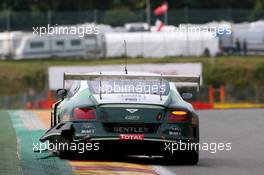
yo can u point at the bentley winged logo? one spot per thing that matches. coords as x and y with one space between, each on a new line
132 110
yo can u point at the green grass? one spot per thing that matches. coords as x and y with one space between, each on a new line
31 162
9 162
20 76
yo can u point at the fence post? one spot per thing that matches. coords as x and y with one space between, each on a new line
24 99
7 102
230 14
49 17
211 94
256 94
8 20
95 16
186 13
166 18
148 14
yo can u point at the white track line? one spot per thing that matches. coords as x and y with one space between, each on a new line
30 120
161 170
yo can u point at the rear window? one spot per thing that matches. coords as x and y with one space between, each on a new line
129 86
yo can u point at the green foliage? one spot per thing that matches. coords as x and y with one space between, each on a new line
83 5
258 10
235 76
121 16
259 5
36 80
238 72
259 74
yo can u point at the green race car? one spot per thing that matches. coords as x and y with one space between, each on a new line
129 114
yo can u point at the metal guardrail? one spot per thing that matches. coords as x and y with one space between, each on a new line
18 101
232 95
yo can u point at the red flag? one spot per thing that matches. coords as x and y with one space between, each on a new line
160 10
159 25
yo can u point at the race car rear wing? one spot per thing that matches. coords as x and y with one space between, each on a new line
169 78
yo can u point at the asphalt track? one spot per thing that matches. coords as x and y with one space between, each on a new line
242 128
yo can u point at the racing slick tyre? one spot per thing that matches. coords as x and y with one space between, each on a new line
191 157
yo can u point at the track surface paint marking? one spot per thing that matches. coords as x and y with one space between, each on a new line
162 170
119 168
35 163
105 168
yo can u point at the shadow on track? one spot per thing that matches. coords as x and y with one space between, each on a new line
136 159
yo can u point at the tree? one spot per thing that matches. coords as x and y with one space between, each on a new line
83 5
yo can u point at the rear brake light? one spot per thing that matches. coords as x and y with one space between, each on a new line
84 113
178 116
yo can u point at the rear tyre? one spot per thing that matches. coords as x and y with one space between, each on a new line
191 158
60 152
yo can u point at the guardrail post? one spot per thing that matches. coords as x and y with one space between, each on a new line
8 22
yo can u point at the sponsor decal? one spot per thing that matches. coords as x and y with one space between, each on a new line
132 117
87 128
175 131
88 131
131 136
131 99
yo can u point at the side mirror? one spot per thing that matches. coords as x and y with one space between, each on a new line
61 93
187 96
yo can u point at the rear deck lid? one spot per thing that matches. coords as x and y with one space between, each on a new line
131 113
122 118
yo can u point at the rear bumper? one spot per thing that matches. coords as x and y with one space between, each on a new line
132 147
165 141
148 146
